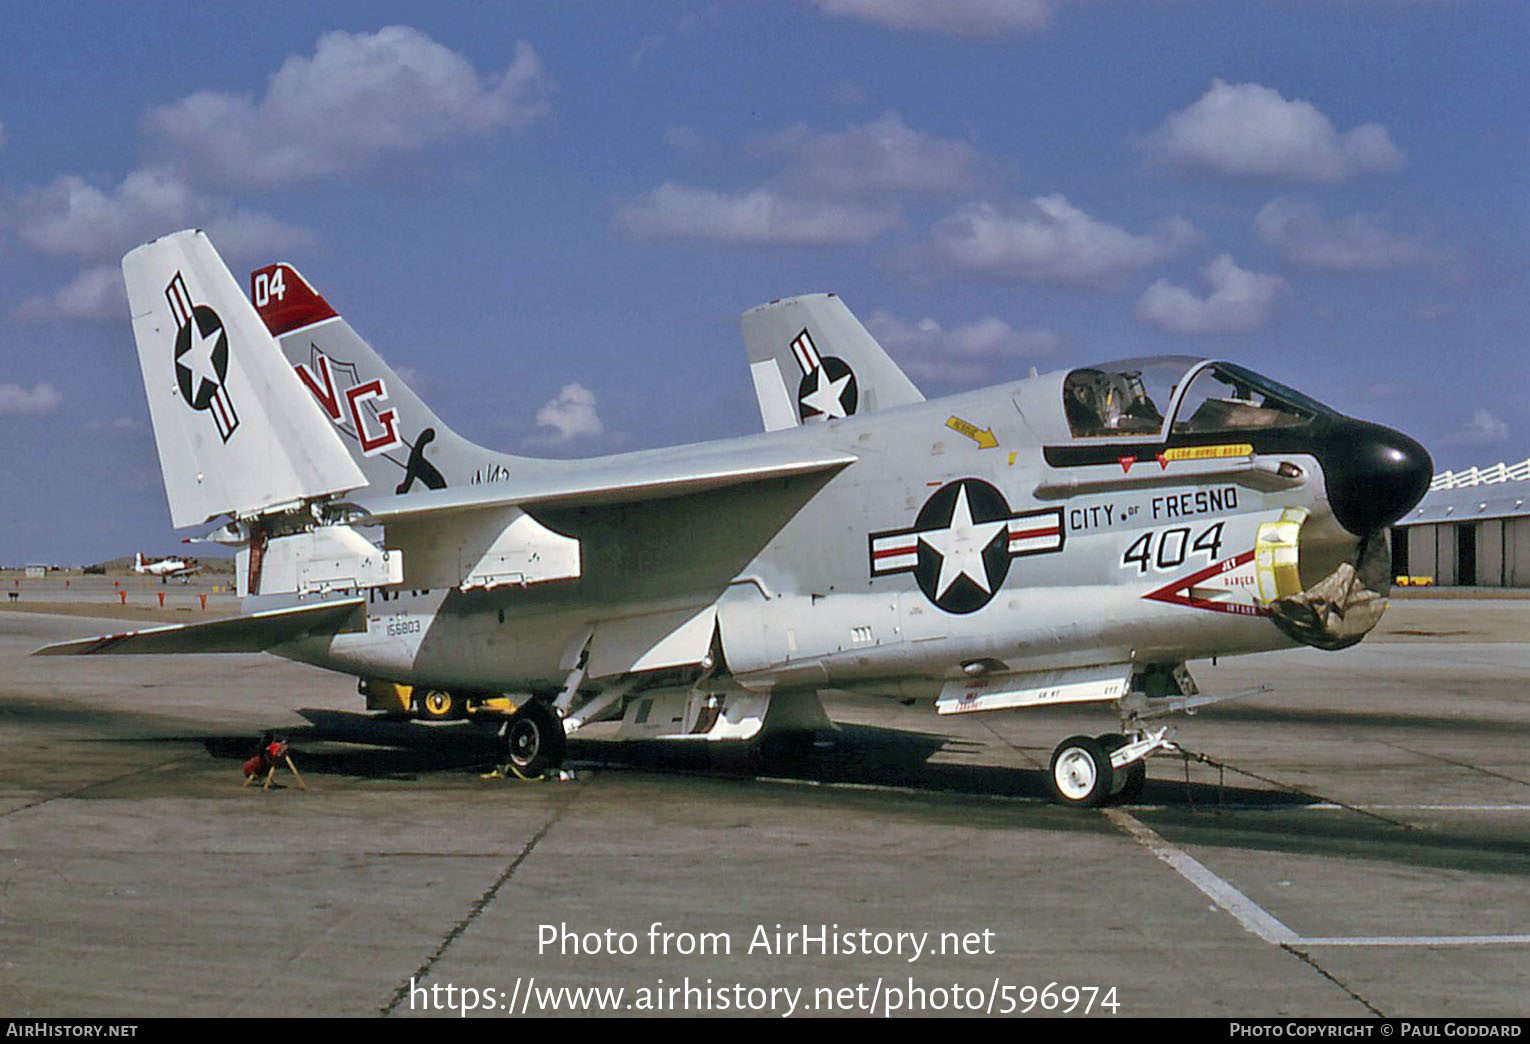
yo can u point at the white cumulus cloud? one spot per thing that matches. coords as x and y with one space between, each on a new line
882 157
761 217
832 189
358 99
571 415
967 354
1047 240
973 18
1483 429
72 218
95 295
16 401
1248 131
1297 232
1238 301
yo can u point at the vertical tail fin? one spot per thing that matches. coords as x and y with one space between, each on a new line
396 440
811 360
237 433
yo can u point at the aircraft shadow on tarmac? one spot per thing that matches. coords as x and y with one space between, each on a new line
1200 812
857 755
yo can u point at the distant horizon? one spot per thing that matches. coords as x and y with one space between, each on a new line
220 562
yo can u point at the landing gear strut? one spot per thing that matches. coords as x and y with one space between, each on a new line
1127 780
534 739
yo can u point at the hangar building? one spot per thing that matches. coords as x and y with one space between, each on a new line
1472 529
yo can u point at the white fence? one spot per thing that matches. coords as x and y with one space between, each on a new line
1499 472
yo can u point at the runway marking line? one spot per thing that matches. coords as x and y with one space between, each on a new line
1244 910
1258 921
1418 940
1329 806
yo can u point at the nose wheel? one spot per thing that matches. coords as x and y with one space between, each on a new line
1088 771
1081 772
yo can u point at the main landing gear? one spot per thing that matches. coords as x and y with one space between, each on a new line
534 739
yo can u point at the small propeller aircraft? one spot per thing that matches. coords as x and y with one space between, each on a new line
164 568
1072 537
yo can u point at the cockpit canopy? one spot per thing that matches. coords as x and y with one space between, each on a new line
1128 399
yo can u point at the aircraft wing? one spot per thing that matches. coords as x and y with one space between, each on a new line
618 481
253 633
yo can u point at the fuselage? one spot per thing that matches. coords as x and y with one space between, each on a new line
1146 512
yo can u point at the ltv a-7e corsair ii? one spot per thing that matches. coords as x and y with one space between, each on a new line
1072 537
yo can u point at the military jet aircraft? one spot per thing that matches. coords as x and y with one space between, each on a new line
1072 537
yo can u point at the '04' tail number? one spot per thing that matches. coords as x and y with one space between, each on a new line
1164 550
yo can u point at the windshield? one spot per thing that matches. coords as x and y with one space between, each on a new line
1227 397
1122 398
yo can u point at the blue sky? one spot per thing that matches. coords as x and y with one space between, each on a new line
549 215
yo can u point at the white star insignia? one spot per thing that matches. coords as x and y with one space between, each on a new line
198 358
825 396
961 545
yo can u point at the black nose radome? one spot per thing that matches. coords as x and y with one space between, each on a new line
1374 475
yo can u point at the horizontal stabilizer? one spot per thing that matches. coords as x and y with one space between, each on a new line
254 633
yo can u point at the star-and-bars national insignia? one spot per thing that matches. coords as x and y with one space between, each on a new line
828 389
201 357
962 542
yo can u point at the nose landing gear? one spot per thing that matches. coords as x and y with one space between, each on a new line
1088 771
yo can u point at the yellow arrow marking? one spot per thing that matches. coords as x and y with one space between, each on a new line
985 438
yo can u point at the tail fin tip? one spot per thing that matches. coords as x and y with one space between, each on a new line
235 430
812 360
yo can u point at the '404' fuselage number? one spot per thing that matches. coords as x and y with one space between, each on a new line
1164 550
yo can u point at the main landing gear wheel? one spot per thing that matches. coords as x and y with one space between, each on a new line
1081 772
534 739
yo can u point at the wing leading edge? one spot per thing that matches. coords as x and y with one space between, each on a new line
612 481
255 632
